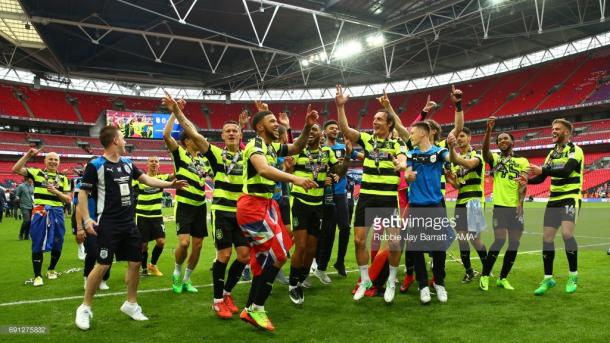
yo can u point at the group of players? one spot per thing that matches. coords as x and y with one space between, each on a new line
253 212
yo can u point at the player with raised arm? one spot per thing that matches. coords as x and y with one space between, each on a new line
227 165
315 163
508 195
258 214
191 224
384 159
469 169
47 228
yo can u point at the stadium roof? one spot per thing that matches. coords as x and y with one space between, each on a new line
234 45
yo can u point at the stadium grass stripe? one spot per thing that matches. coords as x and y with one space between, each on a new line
157 290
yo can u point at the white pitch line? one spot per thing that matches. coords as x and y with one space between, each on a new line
575 236
102 295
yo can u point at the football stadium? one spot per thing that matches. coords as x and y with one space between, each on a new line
304 170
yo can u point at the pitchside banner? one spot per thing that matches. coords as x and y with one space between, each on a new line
141 124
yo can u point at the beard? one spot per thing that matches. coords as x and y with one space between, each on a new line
274 134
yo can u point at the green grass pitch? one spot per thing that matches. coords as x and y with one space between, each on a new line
329 313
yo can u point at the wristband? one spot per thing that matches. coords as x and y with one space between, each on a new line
80 229
458 106
423 114
88 220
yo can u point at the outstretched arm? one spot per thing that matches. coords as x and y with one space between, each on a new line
487 156
384 100
187 125
171 143
456 99
154 182
299 144
19 167
349 133
259 162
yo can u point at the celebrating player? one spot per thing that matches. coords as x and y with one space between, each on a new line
47 228
109 178
469 169
314 163
149 218
379 189
227 165
508 196
425 166
565 165
191 166
258 214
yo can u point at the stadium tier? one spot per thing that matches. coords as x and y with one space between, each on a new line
9 104
543 86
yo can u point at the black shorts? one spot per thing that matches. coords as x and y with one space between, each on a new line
306 217
429 228
227 232
191 220
369 206
284 205
565 210
150 228
461 217
506 218
121 240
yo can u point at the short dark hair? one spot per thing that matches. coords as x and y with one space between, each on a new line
435 126
563 122
330 122
258 117
512 138
232 122
465 130
389 117
423 125
108 134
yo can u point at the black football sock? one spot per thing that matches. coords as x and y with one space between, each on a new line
548 256
156 253
265 285
234 275
492 255
218 274
295 275
37 263
55 255
509 259
465 256
144 259
572 253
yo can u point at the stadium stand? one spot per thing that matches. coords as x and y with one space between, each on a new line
9 104
48 104
543 86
